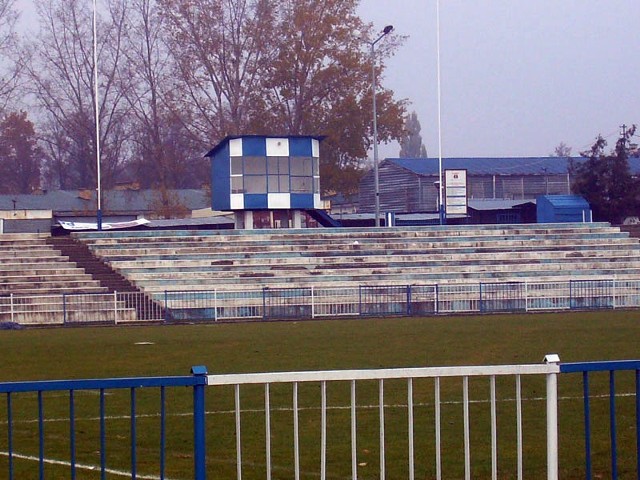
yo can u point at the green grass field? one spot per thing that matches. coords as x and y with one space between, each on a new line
320 345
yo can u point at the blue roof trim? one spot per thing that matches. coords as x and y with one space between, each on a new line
497 166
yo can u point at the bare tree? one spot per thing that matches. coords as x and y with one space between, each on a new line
10 65
61 75
561 150
164 152
222 50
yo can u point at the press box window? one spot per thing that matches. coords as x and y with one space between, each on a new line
255 166
236 165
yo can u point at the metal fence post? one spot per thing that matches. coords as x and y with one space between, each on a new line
264 303
12 308
552 419
480 304
115 307
215 304
166 306
570 294
313 302
409 300
199 445
64 308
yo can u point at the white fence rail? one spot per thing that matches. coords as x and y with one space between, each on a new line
357 402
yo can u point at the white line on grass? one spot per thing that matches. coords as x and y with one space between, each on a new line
81 466
289 409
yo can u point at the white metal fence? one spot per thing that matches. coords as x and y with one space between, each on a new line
307 436
78 308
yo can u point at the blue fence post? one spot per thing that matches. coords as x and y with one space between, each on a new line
199 445
480 303
264 303
408 299
571 303
360 300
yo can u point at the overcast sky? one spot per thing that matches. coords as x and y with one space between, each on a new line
518 76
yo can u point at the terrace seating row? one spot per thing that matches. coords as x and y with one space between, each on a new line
224 260
39 285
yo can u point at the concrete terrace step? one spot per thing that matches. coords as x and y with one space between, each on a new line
44 268
242 262
28 253
123 254
390 267
448 230
399 271
29 277
379 280
47 289
254 241
60 318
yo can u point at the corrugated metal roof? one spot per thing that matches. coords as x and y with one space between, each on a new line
118 201
496 166
497 204
564 201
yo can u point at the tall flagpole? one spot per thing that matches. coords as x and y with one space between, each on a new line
97 117
440 184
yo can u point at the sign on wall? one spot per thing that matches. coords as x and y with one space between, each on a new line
455 182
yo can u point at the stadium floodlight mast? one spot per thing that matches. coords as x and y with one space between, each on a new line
97 120
387 30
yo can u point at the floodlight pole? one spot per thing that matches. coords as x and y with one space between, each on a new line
97 119
441 213
388 29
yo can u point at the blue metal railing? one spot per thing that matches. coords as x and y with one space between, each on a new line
611 367
197 381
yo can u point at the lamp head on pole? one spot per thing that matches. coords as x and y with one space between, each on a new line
388 29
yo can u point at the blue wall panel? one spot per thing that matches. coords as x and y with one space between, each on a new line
254 147
255 201
301 200
300 147
221 179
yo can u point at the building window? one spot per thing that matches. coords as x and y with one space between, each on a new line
278 181
275 175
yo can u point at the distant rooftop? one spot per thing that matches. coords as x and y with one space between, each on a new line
497 166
